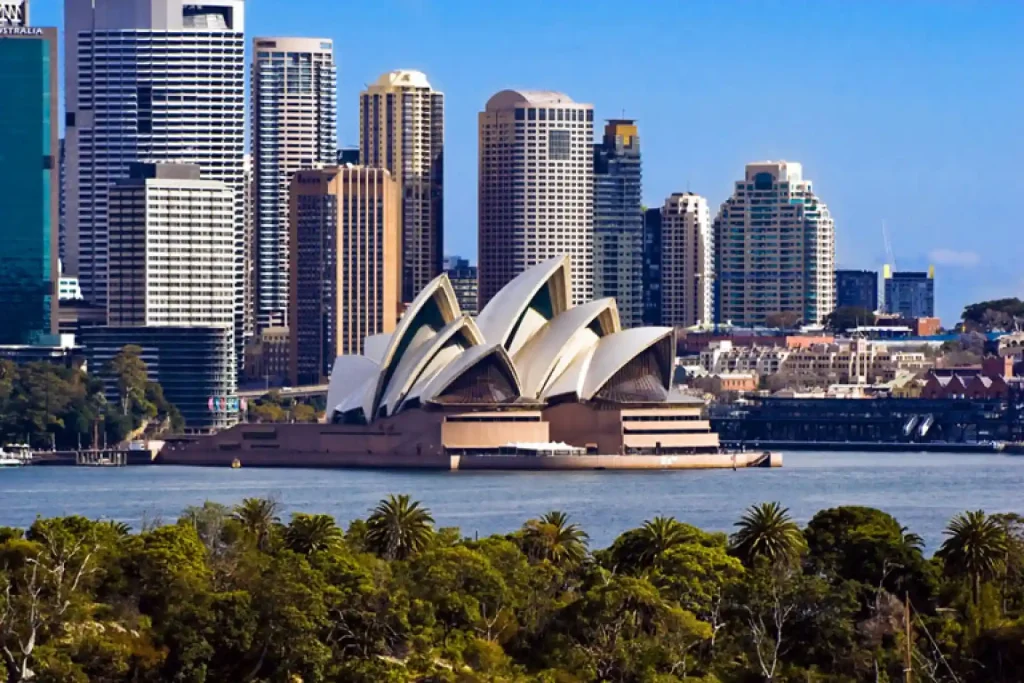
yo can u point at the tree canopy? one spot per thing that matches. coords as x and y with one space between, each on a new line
234 594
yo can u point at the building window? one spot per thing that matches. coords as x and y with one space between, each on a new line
559 145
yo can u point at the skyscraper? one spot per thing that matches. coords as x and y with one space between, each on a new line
294 127
401 128
910 294
154 81
29 174
171 248
652 266
464 281
857 288
345 260
536 188
774 249
618 221
686 261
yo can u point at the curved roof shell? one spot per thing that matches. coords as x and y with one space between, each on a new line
526 304
427 359
348 372
465 363
556 345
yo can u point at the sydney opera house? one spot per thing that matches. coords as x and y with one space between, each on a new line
531 382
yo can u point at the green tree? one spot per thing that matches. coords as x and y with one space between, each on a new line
398 527
132 376
555 539
974 550
845 318
312 533
652 541
259 518
766 530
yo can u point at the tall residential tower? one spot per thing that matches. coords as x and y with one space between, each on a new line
618 220
294 127
686 261
150 81
774 249
401 128
536 188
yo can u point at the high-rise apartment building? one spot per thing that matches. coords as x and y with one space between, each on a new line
910 294
345 259
294 127
464 281
686 261
536 188
29 174
857 289
774 249
618 220
150 81
171 248
401 128
652 266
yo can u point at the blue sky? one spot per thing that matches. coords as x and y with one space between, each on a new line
907 111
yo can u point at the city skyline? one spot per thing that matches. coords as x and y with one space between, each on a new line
884 141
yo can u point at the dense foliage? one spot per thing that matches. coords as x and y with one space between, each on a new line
998 314
46 405
238 595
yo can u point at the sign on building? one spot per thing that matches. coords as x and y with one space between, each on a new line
13 13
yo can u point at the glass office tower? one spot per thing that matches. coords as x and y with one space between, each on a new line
29 176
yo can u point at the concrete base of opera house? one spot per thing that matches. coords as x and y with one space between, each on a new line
586 437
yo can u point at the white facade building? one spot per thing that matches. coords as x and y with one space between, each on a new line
774 249
536 188
294 127
401 128
686 261
153 81
171 256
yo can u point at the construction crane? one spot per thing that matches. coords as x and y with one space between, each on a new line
888 246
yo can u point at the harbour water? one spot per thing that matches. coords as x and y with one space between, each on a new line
923 490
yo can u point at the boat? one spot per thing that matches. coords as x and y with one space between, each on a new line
236 463
15 455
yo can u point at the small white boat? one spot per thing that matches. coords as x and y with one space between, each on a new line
15 455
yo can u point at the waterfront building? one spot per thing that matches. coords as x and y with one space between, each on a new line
193 364
910 294
774 248
857 288
652 266
248 251
618 220
171 258
686 261
856 361
68 289
401 129
464 281
158 81
723 357
345 259
29 174
294 127
536 187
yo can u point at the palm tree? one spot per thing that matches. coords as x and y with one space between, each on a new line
398 528
310 533
657 536
258 517
120 529
553 538
975 548
766 530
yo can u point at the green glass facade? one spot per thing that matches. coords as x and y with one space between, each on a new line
28 176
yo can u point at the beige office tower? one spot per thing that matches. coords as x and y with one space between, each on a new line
345 260
294 127
249 252
401 128
172 240
536 188
686 261
774 250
